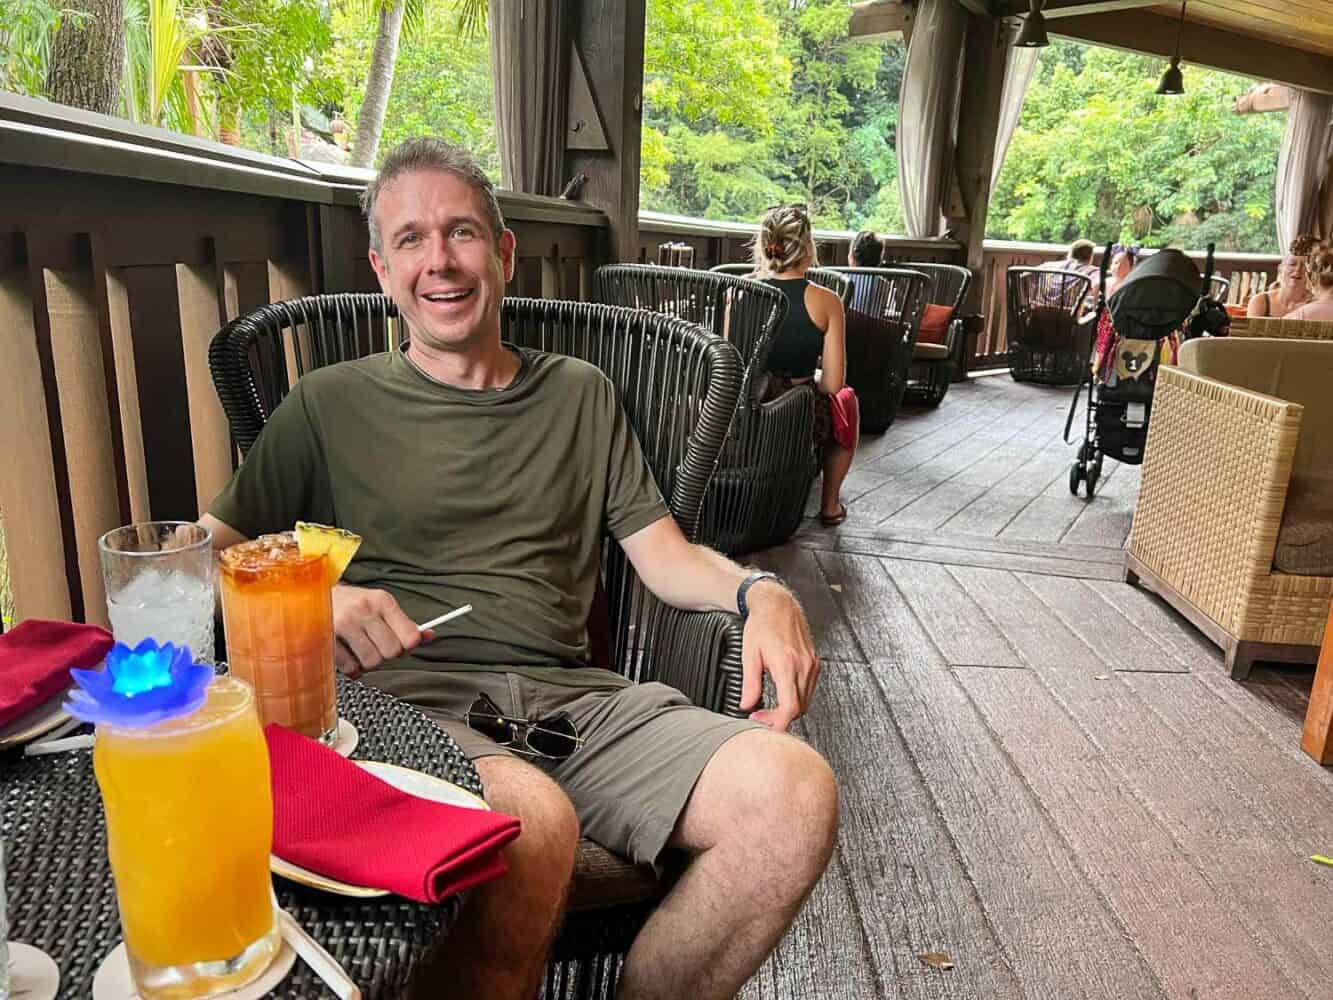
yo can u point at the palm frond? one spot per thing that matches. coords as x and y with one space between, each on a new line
472 17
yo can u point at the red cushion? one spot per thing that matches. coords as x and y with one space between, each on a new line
934 324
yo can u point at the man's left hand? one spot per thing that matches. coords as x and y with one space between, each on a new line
777 641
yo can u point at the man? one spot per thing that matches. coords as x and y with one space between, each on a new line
1078 258
481 474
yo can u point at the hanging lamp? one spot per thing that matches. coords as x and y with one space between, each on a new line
1032 33
1173 81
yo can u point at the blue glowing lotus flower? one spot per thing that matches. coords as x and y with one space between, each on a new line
140 686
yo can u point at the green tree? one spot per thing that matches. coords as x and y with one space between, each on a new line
1097 153
442 82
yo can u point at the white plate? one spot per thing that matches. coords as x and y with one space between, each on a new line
36 722
423 786
32 973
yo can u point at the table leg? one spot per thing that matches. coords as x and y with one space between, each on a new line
1317 737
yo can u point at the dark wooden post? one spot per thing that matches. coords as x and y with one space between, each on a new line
609 50
982 86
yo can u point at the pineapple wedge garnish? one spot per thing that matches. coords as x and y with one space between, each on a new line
338 544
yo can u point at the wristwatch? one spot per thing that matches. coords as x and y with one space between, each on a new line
745 586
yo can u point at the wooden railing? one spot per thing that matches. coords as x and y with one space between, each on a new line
122 251
1247 272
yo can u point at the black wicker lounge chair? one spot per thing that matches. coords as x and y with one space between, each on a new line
882 320
1047 342
758 493
933 364
679 388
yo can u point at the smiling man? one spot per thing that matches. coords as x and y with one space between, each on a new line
479 473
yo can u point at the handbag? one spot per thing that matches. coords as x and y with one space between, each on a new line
846 416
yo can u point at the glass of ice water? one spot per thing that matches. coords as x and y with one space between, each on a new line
159 583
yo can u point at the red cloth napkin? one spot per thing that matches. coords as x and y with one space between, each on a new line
332 817
35 657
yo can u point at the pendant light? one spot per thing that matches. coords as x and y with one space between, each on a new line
1032 33
1173 81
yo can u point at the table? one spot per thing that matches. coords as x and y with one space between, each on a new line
62 900
1317 734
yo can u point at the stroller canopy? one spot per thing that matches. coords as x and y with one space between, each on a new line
1157 297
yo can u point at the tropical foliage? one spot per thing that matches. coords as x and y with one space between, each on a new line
746 103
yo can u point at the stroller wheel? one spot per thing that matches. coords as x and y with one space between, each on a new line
1075 474
1093 473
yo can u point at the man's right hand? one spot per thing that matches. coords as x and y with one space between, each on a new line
370 628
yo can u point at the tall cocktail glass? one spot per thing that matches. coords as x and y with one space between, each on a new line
277 611
189 817
159 583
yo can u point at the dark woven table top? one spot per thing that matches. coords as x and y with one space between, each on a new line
62 900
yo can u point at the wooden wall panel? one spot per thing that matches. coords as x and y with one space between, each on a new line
77 355
36 552
210 435
127 385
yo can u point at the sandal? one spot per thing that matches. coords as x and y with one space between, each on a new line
833 520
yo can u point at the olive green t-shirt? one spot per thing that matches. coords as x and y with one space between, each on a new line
498 498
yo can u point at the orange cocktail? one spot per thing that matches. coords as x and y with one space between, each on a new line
189 818
277 610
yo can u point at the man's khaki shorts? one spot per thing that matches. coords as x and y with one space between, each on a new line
644 745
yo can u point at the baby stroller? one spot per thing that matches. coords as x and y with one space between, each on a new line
1162 301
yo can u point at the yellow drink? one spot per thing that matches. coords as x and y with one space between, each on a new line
277 610
189 816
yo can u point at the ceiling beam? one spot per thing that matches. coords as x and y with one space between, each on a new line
1234 52
879 19
1263 97
1067 8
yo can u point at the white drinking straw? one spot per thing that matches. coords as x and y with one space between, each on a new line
444 618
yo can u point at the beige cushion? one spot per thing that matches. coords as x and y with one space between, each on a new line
1298 371
930 352
1305 539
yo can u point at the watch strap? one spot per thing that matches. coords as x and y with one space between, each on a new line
745 586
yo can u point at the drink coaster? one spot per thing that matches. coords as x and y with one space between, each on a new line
112 981
32 973
345 738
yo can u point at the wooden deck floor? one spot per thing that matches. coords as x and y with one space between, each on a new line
1046 774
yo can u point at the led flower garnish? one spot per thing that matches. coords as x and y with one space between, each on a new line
140 686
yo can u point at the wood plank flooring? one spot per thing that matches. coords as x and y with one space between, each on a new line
1046 774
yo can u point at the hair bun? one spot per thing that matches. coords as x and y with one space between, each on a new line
1302 245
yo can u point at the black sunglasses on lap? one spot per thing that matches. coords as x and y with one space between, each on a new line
553 738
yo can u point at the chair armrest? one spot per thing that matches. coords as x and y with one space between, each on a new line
698 653
1215 473
764 432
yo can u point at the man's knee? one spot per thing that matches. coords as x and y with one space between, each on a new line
790 803
550 834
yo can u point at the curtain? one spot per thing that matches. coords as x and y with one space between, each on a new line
1019 66
1302 164
530 60
927 109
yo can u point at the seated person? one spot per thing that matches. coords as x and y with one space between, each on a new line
1319 275
1077 259
812 336
479 473
865 251
1291 290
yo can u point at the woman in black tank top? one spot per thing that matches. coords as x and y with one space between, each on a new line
811 344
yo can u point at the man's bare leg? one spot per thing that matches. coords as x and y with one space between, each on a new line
498 948
761 823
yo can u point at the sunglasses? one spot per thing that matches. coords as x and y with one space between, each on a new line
553 738
798 206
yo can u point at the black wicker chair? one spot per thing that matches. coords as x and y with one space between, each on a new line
758 493
1047 343
882 320
679 388
932 365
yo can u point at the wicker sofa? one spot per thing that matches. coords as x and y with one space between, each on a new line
1234 524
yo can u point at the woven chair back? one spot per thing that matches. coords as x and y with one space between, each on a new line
1044 307
678 385
831 278
743 312
946 284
